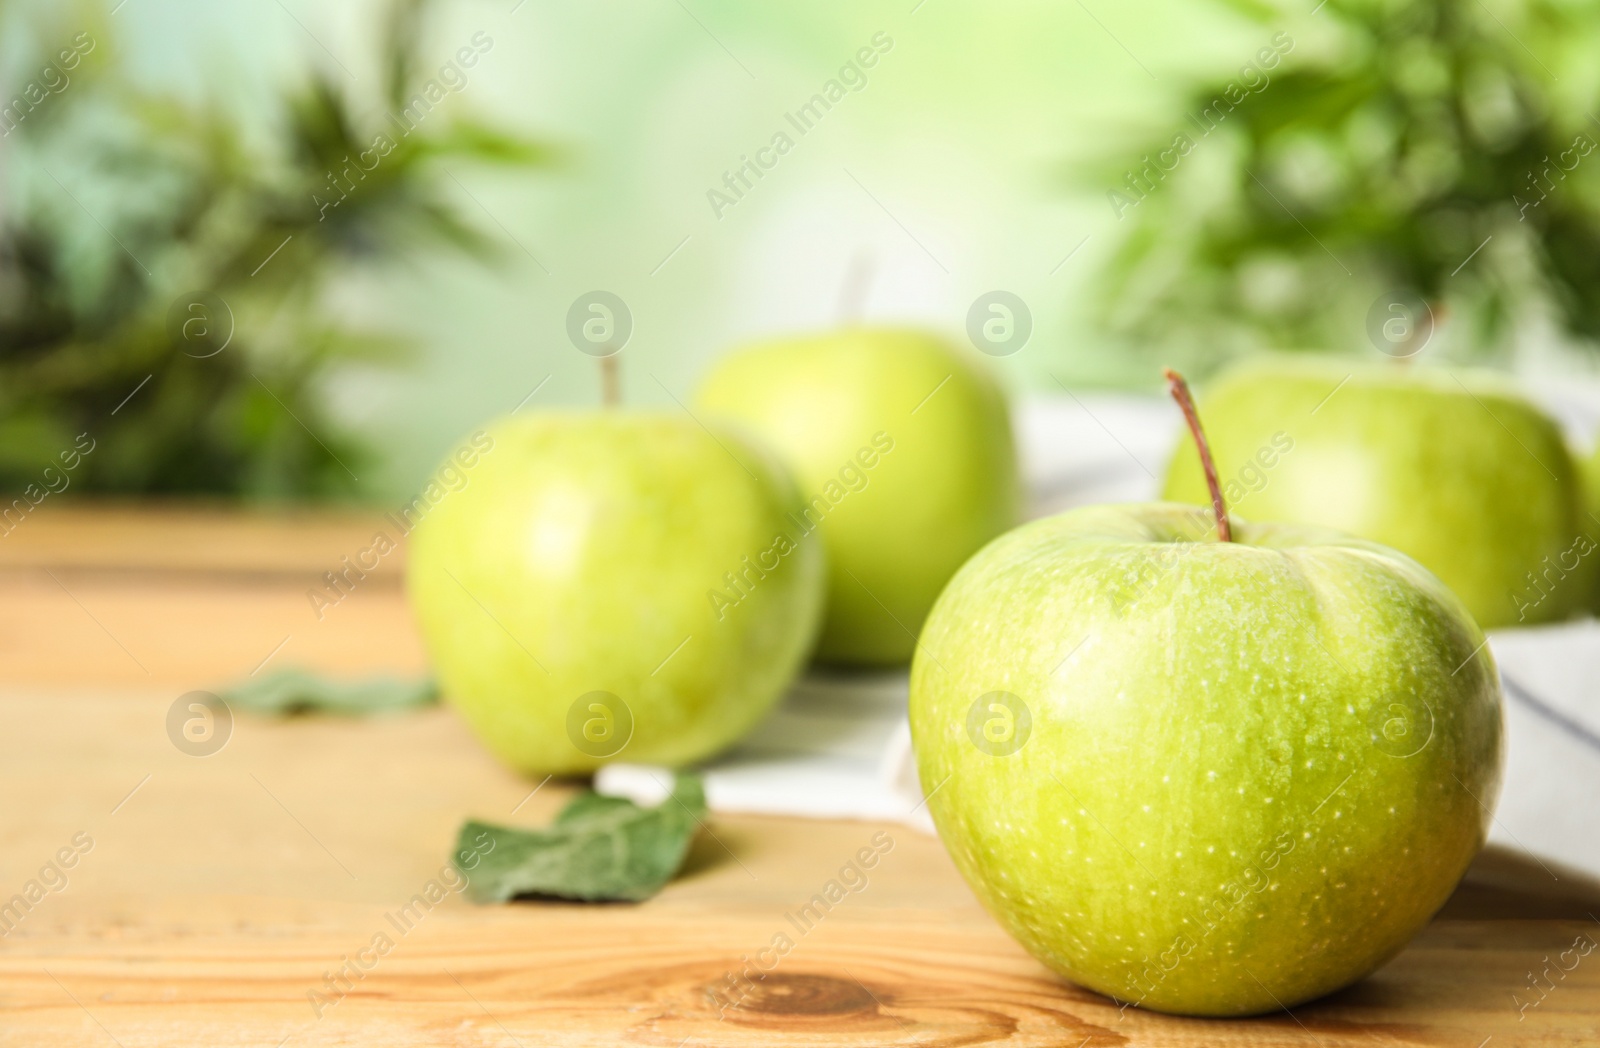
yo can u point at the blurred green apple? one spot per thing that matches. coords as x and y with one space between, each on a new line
1454 469
1591 493
903 448
569 590
1209 778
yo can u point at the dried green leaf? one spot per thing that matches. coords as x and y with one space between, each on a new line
291 691
598 849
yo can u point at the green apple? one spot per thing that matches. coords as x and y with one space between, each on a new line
1453 468
903 448
1591 490
569 590
1204 777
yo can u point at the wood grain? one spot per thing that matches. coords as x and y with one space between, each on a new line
219 890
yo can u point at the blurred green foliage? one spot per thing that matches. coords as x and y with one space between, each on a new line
154 244
1384 149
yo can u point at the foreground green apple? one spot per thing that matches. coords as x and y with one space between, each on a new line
1455 470
1207 778
1209 769
568 591
903 449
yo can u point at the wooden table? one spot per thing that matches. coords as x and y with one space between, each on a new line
216 892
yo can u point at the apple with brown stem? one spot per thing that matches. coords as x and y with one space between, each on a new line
1205 767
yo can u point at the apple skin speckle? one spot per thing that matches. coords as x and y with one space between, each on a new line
1308 639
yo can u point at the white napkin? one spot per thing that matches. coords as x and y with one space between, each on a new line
840 747
1552 742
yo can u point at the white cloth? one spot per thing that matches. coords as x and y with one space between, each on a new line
839 747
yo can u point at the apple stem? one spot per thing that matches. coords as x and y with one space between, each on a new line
857 281
610 386
1180 392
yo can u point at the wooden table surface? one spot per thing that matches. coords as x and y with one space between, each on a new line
208 897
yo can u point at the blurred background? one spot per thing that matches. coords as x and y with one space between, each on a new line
274 250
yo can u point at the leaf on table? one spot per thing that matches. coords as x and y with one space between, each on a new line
291 691
598 849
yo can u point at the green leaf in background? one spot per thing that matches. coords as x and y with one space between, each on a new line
208 285
598 849
1394 141
291 691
